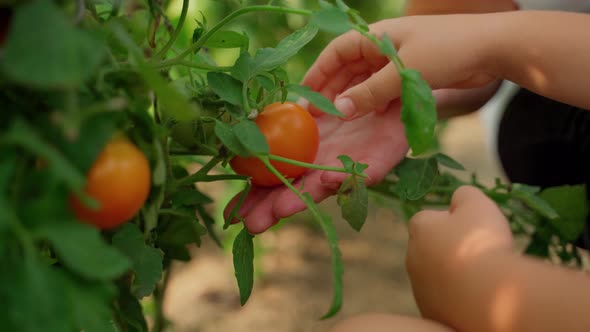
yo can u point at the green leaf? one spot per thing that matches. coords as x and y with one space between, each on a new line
228 39
226 87
331 20
449 162
8 166
147 261
209 222
93 313
266 82
526 188
527 195
243 252
77 246
335 258
416 177
538 245
353 199
95 132
176 104
226 135
251 137
57 54
180 231
418 111
315 98
570 203
35 298
21 134
347 162
267 59
242 68
189 198
130 311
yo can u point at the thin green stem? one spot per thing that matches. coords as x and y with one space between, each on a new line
329 231
397 61
245 97
197 45
236 209
162 52
174 213
22 234
312 166
193 65
160 321
202 173
220 177
311 205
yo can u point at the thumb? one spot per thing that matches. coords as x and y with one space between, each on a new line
373 94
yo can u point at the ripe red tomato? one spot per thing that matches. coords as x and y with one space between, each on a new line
291 133
120 180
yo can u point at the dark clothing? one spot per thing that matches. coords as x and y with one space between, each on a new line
545 143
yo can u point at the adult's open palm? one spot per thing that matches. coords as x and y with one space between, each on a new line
377 139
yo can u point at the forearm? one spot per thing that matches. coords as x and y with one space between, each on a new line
545 52
430 7
454 102
513 293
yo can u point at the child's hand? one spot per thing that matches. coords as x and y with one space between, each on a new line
450 51
445 247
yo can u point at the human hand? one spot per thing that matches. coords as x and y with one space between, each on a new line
451 51
377 140
445 246
352 72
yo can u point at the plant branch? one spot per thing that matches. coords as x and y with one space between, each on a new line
162 52
205 37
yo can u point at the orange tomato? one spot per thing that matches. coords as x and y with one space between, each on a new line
120 181
292 133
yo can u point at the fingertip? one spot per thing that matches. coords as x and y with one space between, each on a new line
463 195
421 219
258 224
346 106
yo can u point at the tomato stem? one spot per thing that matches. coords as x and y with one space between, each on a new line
160 322
193 65
162 52
201 175
312 166
235 211
205 37
325 224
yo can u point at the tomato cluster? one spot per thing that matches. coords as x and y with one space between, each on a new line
292 133
119 180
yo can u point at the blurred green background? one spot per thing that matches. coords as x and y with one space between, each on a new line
267 29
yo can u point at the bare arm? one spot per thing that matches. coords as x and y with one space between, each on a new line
545 52
439 7
508 292
453 102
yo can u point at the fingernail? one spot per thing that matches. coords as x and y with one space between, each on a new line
346 107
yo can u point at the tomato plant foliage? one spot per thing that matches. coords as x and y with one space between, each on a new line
76 75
